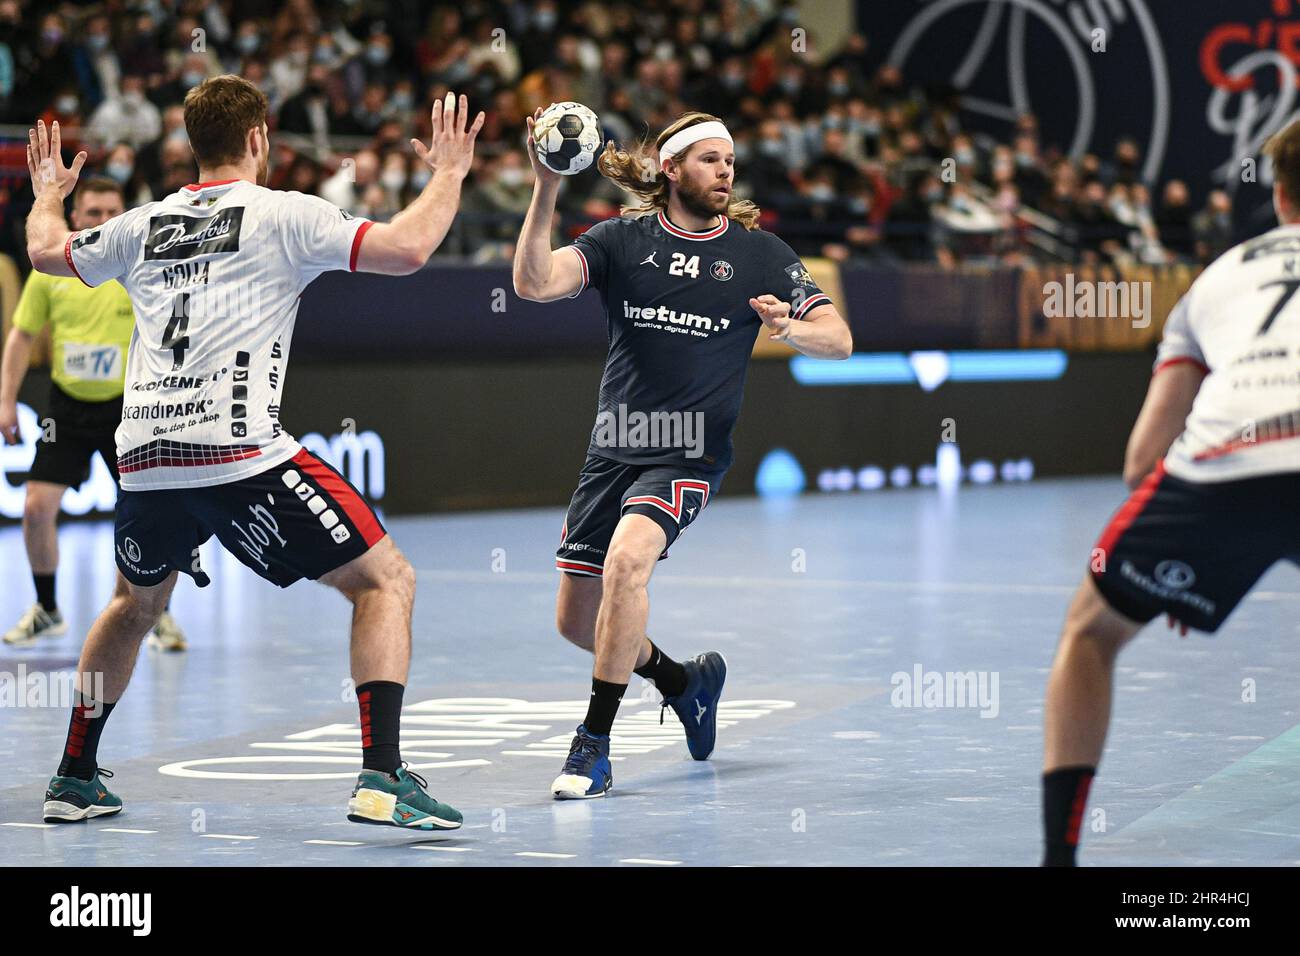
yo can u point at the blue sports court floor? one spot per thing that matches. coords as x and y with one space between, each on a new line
244 749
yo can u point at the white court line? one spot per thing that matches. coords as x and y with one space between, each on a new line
333 843
125 830
633 859
547 856
225 836
445 849
33 826
746 583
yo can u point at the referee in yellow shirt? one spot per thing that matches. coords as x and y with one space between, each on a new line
91 333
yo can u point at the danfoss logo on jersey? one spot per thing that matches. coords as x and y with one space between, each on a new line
182 237
672 320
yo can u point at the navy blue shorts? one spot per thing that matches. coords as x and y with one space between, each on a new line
298 519
671 495
1193 550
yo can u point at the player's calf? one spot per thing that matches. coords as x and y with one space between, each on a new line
1076 714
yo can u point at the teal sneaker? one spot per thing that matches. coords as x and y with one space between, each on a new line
70 799
399 800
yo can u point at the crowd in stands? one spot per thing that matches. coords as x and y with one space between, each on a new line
846 157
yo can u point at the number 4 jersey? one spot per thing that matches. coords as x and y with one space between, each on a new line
214 272
1240 322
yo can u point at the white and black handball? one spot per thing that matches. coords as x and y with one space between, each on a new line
567 136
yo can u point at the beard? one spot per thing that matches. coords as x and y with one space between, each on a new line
264 169
702 201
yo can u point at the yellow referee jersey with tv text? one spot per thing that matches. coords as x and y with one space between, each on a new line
91 332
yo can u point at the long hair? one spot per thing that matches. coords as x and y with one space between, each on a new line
636 170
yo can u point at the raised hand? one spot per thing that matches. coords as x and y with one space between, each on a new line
451 148
543 173
45 162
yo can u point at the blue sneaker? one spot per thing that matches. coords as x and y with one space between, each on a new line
587 772
697 706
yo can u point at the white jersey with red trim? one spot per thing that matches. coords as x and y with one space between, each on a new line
1240 322
214 272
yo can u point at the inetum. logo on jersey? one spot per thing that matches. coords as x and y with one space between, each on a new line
671 320
183 237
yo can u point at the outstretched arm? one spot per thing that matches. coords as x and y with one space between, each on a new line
404 244
542 274
47 230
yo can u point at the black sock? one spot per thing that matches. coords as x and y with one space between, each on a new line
45 591
668 676
1065 795
381 724
81 751
605 698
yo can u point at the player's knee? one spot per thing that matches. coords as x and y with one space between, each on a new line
40 509
1093 621
399 578
139 610
625 571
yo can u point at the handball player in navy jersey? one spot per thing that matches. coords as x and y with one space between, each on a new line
688 281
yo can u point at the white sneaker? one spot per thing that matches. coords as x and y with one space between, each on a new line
167 634
35 623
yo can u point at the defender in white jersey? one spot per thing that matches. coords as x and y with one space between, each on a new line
214 273
1215 462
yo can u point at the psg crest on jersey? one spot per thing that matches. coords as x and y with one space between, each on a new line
721 270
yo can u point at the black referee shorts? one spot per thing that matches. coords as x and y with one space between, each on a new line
80 430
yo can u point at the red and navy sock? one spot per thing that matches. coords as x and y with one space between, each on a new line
380 702
603 706
668 675
1065 796
81 750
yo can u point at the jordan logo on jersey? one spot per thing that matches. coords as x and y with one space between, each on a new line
183 237
650 259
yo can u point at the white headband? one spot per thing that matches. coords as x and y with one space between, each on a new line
692 134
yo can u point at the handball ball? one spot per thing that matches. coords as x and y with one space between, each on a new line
567 137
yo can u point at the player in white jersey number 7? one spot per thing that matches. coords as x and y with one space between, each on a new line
208 377
1214 463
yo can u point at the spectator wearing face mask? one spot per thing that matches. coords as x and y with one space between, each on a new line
46 63
128 118
1030 179
766 172
539 39
355 175
307 113
372 112
288 68
193 71
98 70
393 176
247 42
372 65
149 159
119 166
1212 227
139 48
1174 220
65 109
177 167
